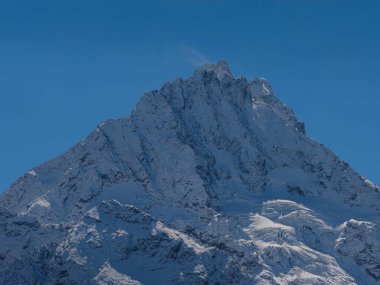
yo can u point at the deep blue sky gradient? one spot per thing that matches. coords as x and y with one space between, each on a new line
66 66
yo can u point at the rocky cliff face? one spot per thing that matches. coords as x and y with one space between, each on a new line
211 180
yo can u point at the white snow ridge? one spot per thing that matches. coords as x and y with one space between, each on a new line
210 180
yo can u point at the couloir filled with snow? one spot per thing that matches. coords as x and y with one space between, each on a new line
210 180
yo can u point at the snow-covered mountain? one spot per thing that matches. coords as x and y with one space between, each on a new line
210 180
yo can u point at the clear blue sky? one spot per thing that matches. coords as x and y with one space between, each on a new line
66 66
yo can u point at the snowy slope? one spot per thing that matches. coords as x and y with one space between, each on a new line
211 180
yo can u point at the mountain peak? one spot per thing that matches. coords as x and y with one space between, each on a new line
211 180
220 68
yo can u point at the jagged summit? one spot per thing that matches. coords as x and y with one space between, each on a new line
220 68
210 180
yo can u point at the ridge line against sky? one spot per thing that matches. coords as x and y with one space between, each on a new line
67 66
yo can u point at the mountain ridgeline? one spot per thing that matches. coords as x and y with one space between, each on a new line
210 180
